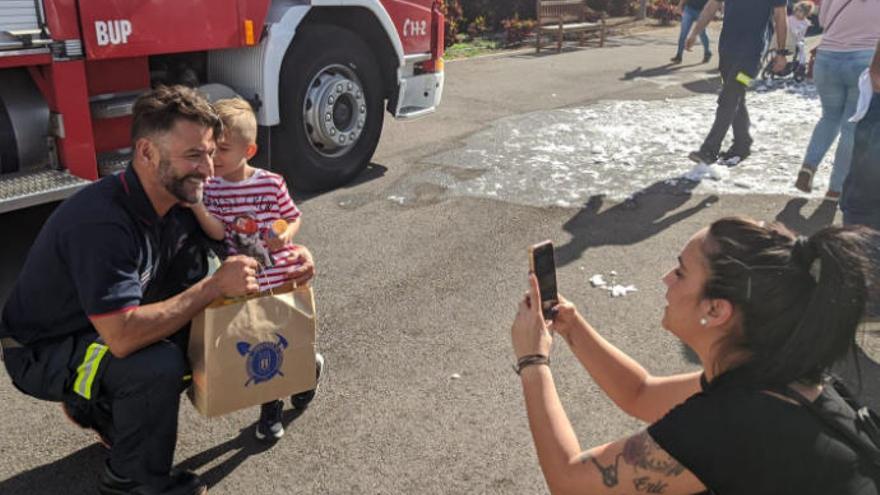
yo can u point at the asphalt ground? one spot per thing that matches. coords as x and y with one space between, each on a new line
416 298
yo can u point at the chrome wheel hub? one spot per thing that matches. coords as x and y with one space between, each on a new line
334 110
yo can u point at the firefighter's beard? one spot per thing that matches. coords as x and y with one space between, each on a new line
188 188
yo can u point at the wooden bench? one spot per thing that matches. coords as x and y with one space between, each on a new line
557 17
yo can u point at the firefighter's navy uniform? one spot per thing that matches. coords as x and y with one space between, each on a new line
104 251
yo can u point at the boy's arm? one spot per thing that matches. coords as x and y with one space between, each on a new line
212 225
292 229
285 238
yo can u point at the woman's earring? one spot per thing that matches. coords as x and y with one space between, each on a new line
704 321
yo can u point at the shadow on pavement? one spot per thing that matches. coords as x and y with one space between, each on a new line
62 476
661 70
372 172
244 446
710 86
640 217
66 475
792 216
567 47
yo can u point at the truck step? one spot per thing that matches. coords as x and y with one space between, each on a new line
113 161
22 190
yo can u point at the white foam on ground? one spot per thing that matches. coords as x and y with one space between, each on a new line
618 148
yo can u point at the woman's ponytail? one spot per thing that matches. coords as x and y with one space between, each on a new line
801 299
834 260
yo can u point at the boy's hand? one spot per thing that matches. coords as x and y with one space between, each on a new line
274 243
875 78
192 206
303 268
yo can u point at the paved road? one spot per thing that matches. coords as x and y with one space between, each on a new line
417 284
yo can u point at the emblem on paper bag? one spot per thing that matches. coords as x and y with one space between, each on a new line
263 360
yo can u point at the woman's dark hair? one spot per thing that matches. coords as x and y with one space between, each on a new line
800 299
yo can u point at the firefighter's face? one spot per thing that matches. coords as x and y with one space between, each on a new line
186 160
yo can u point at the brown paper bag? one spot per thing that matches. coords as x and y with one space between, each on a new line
247 352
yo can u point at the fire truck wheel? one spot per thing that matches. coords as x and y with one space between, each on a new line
331 105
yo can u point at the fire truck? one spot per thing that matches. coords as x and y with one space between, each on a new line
320 75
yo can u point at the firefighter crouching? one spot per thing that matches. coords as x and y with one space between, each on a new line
99 316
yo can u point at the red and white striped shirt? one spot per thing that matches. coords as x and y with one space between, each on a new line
248 208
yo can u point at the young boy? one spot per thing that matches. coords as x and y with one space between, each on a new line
798 24
241 205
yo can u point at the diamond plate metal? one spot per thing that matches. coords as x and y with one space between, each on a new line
113 161
28 189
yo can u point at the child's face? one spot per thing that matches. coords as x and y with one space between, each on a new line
232 154
800 14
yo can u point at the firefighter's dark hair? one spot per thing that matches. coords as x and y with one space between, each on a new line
157 111
800 299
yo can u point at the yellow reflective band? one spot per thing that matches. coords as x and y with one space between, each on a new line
88 370
744 78
187 377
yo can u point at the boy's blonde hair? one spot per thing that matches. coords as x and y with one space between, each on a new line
805 6
238 118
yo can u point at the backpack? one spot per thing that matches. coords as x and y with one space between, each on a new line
862 434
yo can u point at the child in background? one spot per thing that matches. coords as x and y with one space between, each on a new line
798 23
251 210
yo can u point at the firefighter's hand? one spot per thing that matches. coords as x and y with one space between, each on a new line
875 78
303 265
237 276
690 42
779 63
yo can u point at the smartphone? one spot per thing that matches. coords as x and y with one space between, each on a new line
543 265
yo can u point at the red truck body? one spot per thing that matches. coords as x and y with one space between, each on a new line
89 59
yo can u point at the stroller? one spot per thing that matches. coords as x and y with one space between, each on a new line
796 68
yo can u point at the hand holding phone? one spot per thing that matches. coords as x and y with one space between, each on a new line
543 264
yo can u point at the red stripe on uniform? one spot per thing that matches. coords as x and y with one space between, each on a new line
122 310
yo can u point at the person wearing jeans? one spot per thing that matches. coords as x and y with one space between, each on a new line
844 53
837 80
690 12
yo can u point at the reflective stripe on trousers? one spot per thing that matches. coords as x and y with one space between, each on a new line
88 370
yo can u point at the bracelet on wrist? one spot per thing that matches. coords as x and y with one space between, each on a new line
530 360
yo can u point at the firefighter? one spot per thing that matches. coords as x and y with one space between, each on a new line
98 319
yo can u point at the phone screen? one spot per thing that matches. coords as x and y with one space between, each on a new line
544 266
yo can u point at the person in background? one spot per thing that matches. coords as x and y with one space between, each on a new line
739 58
852 30
690 12
798 24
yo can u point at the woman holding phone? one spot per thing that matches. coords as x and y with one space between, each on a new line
767 313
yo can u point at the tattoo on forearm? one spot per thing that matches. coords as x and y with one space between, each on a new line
647 485
641 451
609 473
